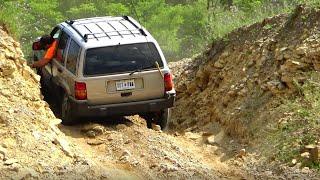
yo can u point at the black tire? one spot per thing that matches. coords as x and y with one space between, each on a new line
164 119
161 118
149 119
66 112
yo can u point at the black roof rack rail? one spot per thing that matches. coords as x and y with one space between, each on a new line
70 22
140 28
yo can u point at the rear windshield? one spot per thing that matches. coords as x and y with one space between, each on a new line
121 58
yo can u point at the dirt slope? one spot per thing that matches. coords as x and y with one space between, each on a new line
34 145
238 86
31 145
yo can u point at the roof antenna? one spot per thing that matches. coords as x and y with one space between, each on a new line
134 11
143 33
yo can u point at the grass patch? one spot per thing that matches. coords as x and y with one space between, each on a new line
300 125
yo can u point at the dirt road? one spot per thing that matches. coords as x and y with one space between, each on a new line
138 152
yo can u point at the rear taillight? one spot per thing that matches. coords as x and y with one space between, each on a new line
168 83
80 90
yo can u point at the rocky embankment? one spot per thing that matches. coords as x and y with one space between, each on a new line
240 85
31 145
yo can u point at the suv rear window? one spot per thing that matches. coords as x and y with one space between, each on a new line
121 58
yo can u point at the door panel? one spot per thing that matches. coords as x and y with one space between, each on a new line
58 64
71 64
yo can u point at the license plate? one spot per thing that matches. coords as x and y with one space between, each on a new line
125 84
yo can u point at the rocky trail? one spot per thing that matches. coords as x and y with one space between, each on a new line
149 153
228 99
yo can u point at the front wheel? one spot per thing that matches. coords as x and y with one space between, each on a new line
66 113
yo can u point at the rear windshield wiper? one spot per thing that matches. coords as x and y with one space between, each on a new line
137 70
140 69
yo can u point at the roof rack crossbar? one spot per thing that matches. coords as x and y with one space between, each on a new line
118 32
127 28
82 23
115 30
90 32
105 35
103 31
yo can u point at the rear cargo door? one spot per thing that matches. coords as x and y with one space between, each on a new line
124 73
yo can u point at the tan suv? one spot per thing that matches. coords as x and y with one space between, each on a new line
108 66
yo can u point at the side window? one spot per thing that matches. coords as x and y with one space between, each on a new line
73 53
62 47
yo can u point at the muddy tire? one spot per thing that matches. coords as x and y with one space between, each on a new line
66 113
161 118
164 119
148 118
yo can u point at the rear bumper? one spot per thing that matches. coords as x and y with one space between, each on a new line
82 109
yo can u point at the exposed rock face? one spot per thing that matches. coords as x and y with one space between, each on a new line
27 125
240 83
236 82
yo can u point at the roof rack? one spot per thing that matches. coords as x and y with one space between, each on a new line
85 37
70 22
105 34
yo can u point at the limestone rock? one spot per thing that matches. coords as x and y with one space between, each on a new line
216 139
165 168
241 153
293 66
192 136
305 155
95 142
3 152
27 173
125 156
305 170
93 130
121 126
302 50
313 151
7 69
156 127
275 86
10 161
64 146
219 65
294 162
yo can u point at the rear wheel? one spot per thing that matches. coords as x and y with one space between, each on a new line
66 113
164 119
161 118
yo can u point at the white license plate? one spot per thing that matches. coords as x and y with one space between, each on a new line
125 84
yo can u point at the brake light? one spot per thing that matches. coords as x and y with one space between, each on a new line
80 90
168 83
